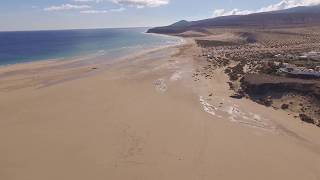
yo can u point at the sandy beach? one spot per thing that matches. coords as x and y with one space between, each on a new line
146 117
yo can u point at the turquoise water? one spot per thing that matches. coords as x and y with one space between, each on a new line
27 46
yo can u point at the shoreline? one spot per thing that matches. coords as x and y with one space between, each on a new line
109 53
73 69
91 57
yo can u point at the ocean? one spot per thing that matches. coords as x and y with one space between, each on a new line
28 46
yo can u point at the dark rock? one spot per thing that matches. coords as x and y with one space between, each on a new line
265 101
306 119
262 84
237 96
284 106
231 86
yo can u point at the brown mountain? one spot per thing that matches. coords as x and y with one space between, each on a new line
305 15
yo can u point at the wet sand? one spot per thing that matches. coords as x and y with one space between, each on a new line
144 118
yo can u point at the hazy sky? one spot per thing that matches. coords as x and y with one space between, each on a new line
66 14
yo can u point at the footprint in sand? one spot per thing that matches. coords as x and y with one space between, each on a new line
176 76
160 85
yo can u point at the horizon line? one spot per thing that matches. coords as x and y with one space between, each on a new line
70 29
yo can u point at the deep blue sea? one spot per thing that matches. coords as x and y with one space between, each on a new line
27 46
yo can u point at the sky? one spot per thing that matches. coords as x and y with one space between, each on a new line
17 15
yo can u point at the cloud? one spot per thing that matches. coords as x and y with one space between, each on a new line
88 1
223 12
284 4
64 7
88 9
117 10
94 11
142 3
102 11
